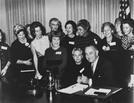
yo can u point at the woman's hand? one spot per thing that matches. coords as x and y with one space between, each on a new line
27 62
132 47
131 84
106 48
3 72
38 75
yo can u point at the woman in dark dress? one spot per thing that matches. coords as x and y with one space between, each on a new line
110 42
128 46
69 40
4 54
77 67
56 57
85 36
21 56
112 49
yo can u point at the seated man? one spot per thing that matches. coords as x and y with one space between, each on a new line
99 71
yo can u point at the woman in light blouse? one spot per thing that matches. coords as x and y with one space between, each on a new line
38 47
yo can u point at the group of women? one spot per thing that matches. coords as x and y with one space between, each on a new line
36 50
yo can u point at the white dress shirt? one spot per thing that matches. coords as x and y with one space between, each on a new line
94 64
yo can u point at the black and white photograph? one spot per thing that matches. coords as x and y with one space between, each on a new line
66 51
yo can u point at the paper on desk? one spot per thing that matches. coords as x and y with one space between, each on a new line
73 88
101 90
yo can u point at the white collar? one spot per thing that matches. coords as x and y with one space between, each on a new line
95 64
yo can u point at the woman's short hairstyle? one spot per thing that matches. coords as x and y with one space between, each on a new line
77 49
36 24
110 25
130 22
59 23
54 19
17 27
118 20
73 25
84 24
55 34
3 36
22 30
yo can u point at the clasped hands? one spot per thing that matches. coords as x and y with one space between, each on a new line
38 75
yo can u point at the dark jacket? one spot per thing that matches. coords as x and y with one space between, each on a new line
56 61
89 38
116 44
103 74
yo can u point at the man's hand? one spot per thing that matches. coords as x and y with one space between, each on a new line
79 80
84 79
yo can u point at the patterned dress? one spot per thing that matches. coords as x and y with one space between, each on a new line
127 42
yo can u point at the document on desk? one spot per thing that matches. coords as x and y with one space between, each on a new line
100 91
73 88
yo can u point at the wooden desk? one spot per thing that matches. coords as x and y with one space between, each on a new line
17 95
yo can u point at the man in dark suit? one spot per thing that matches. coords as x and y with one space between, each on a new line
99 71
